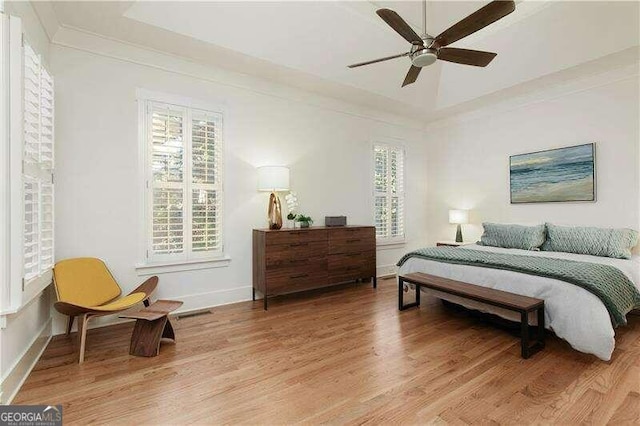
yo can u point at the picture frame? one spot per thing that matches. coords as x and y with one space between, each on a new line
566 174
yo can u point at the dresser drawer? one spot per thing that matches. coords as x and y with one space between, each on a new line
354 244
295 254
344 260
295 236
349 267
350 233
294 271
287 280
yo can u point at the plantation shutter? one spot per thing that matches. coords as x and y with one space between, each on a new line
388 193
46 120
38 166
206 207
185 147
381 220
167 165
396 177
31 85
46 226
31 235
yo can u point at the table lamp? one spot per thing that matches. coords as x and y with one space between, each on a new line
273 179
459 217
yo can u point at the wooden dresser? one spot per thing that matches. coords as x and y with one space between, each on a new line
291 260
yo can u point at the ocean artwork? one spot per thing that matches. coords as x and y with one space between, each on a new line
564 174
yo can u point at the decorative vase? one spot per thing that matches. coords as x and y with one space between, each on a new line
304 224
275 212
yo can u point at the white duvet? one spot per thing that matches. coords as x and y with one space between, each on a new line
573 313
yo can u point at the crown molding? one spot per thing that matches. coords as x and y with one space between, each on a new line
610 69
97 44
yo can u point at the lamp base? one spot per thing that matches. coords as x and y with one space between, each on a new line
274 212
459 234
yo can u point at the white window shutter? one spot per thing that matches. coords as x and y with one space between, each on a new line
46 120
38 165
206 197
167 170
31 87
185 197
388 192
396 176
46 226
31 235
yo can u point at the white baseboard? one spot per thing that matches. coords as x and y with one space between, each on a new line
192 302
196 302
384 271
16 376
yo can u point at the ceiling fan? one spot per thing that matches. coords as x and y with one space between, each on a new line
426 49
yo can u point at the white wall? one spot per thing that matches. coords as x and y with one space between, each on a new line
24 334
326 143
468 159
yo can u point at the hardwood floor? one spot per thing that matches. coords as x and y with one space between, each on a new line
343 355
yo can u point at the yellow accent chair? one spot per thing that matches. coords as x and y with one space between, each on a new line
86 289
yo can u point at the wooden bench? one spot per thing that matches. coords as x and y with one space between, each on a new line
152 325
503 299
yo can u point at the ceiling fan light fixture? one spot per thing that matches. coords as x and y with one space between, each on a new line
423 58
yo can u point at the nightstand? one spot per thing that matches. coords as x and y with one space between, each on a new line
451 243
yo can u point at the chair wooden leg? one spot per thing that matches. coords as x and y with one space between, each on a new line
70 324
82 325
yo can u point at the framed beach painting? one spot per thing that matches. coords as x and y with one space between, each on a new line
555 175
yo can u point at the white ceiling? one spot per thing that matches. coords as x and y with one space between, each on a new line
321 38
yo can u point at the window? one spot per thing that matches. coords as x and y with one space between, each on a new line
388 193
183 181
27 142
37 167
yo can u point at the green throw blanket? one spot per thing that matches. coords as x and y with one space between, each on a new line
608 283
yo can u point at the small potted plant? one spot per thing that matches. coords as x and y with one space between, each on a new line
305 221
292 217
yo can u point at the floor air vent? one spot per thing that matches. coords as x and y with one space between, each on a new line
193 314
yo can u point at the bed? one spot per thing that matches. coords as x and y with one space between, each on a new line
573 313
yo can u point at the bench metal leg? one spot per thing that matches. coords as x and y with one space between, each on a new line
524 334
401 305
529 349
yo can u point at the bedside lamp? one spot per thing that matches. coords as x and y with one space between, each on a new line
459 217
273 179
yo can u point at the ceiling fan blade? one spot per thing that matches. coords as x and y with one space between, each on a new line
412 75
378 60
477 58
476 21
399 25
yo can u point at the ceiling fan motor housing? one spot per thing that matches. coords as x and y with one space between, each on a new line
422 56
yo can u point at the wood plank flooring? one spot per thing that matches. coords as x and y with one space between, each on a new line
342 356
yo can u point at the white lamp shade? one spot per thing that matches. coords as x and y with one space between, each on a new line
273 178
458 216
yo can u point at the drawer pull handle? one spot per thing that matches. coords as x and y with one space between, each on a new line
298 245
353 255
299 276
353 240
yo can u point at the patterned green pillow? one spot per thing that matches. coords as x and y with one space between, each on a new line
604 242
512 236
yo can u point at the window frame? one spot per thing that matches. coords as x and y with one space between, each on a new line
188 259
19 291
389 146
